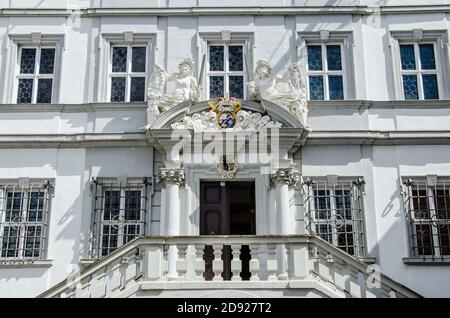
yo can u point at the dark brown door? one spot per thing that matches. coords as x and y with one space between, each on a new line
227 208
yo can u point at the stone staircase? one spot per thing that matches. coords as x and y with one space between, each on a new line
276 266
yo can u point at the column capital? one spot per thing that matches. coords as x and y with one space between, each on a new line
289 176
171 176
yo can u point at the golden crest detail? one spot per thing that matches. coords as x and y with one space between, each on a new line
226 109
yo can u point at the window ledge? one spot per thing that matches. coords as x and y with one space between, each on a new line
420 261
26 263
87 261
368 260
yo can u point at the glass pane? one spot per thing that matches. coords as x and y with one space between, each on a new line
430 86
316 88
420 204
133 205
408 57
424 239
325 232
118 89
336 87
47 62
344 203
334 58
427 58
444 239
410 87
138 59
236 86
322 204
216 58
236 58
25 91
119 60
112 205
35 206
442 197
44 93
32 241
216 84
27 61
137 93
130 232
14 207
10 241
314 57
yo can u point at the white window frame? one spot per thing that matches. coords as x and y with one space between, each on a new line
440 40
36 76
226 73
25 195
129 74
419 72
325 73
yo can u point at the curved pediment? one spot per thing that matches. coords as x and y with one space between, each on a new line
251 116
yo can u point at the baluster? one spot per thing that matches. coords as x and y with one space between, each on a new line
172 257
271 262
199 264
217 263
236 264
254 262
282 262
181 262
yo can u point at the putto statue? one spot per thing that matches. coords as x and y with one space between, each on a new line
266 86
186 88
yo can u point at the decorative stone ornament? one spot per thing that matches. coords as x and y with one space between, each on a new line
171 176
265 86
287 176
228 166
226 109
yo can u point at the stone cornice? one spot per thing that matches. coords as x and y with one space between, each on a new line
289 176
242 10
71 108
171 176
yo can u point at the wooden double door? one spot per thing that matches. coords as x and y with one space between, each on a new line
227 208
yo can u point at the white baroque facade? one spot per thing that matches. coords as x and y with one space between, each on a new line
351 97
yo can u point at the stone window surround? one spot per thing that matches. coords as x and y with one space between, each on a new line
29 40
247 39
107 41
345 39
440 38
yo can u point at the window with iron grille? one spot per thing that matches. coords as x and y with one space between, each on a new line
334 212
427 204
23 221
128 72
36 75
119 216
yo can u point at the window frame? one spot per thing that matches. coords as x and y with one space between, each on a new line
128 74
419 71
25 191
226 73
325 72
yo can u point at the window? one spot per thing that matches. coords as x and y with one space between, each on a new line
23 221
325 72
419 71
226 70
119 215
128 72
335 213
36 75
428 212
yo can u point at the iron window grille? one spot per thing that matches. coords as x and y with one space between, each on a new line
35 79
427 206
334 212
120 213
226 70
24 215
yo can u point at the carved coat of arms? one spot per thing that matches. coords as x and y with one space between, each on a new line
227 166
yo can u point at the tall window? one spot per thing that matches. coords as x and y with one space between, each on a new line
419 71
428 208
226 70
119 215
36 75
325 72
128 73
335 213
23 222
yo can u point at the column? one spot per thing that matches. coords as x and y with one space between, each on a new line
283 179
172 179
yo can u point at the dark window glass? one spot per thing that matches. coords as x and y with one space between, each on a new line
334 58
28 61
47 63
138 59
25 91
118 89
427 58
315 58
119 59
424 239
112 205
236 58
236 86
410 87
216 58
137 93
216 86
430 86
408 57
316 88
44 93
336 87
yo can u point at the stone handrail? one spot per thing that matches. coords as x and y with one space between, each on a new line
293 260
